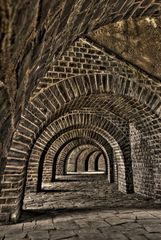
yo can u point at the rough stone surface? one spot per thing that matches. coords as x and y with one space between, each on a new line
106 219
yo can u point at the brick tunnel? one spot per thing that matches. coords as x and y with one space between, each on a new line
80 126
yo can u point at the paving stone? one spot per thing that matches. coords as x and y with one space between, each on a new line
37 235
149 221
90 235
153 228
44 224
61 218
106 214
17 236
59 234
85 223
29 226
71 225
130 226
116 220
114 236
85 228
153 236
127 216
155 213
15 228
85 197
144 215
99 222
137 237
128 230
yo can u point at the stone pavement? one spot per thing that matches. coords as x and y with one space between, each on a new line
85 214
131 224
82 191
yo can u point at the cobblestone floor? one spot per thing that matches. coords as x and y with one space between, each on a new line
85 210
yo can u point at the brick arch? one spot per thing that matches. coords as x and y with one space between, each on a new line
62 157
46 104
102 84
53 32
61 29
21 154
92 132
62 162
72 155
32 67
70 120
77 88
97 159
81 160
69 153
90 160
81 118
29 127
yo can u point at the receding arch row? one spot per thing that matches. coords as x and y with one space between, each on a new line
36 153
72 157
52 100
95 133
34 162
79 87
79 119
68 155
63 155
68 149
18 144
27 133
16 150
91 161
75 118
98 166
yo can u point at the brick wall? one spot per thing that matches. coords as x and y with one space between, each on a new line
146 156
108 87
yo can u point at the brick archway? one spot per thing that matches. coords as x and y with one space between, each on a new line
135 101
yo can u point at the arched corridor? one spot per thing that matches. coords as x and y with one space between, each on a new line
80 95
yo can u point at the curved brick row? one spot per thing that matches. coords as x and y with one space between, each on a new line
81 160
60 165
77 119
34 123
46 29
72 157
90 163
91 132
84 57
123 95
68 156
62 162
24 134
100 164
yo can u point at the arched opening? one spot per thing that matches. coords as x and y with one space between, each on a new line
100 163
132 108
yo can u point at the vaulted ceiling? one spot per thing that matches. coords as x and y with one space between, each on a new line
79 72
